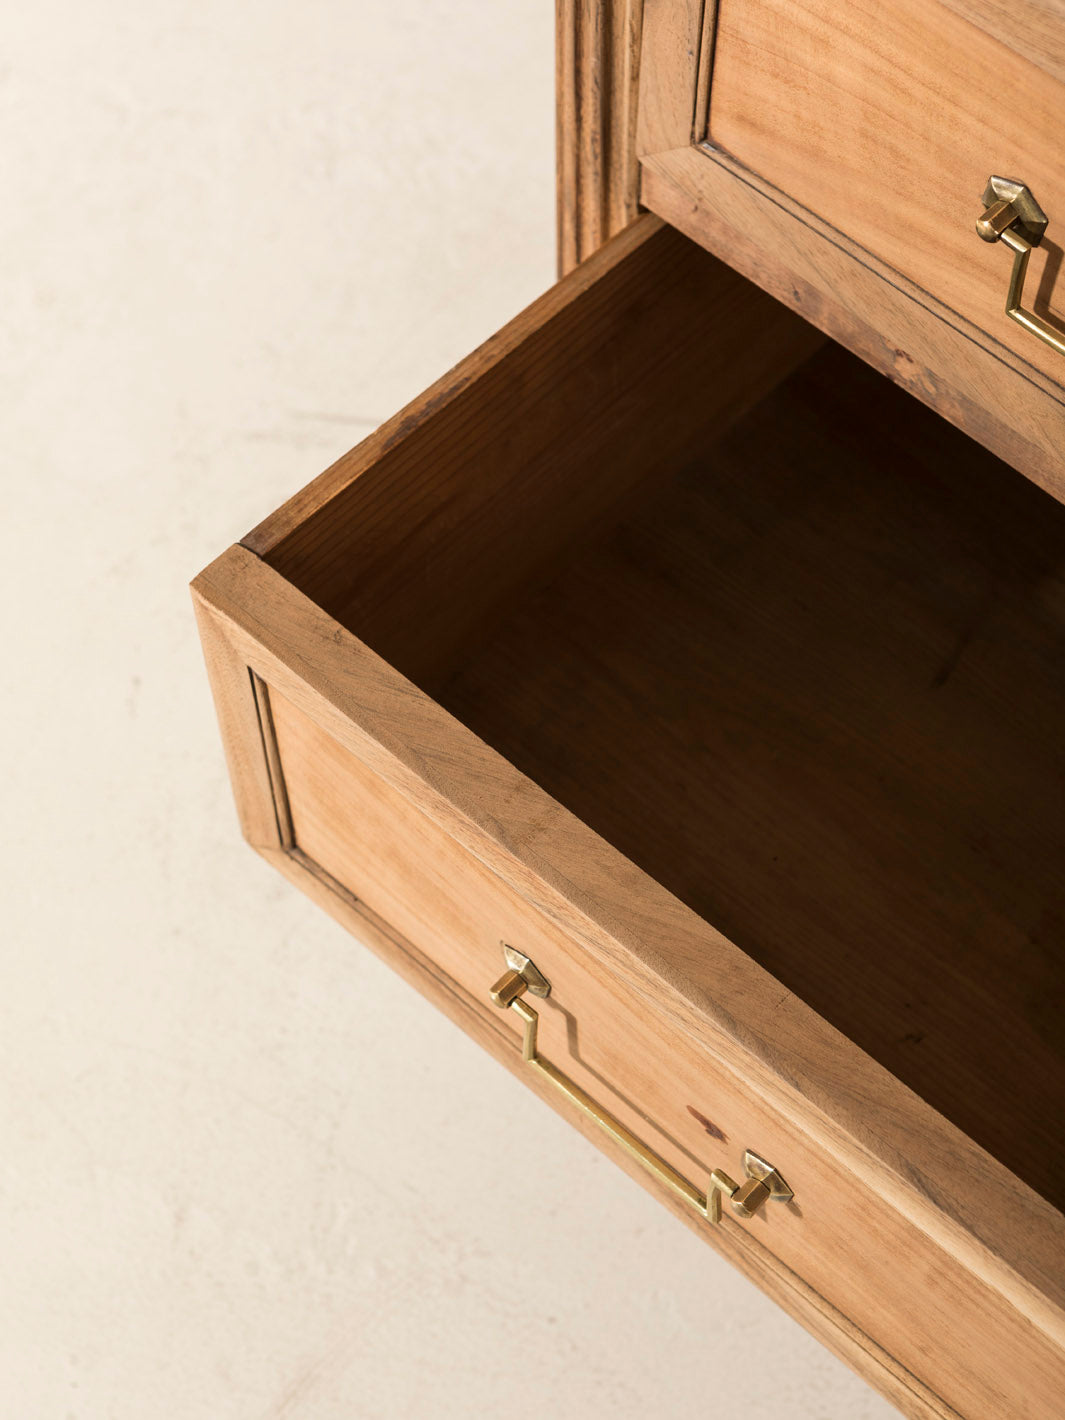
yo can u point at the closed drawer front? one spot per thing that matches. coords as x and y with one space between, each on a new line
858 1255
625 646
839 155
886 119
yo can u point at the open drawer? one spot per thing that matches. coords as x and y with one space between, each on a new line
677 649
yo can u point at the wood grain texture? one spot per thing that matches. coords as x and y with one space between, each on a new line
937 358
1034 29
605 273
603 385
396 861
964 1202
739 1246
824 710
886 118
597 70
671 48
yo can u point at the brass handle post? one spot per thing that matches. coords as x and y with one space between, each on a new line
762 1182
1012 216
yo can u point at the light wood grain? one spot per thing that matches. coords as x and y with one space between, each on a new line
1032 28
1003 1229
427 540
886 118
671 47
393 859
602 385
740 1246
268 735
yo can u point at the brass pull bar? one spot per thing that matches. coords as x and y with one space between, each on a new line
1013 216
762 1182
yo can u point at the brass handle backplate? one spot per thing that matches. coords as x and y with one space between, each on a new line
1013 216
762 1181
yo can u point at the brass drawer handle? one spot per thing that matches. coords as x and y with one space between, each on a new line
762 1181
1013 216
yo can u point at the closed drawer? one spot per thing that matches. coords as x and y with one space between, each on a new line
886 119
838 153
722 680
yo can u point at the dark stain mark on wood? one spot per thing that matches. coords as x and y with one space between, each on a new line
711 1129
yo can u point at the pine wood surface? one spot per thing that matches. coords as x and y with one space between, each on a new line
468 541
1012 1231
934 357
237 708
965 1201
1032 28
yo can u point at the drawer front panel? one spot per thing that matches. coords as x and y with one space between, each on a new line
853 1249
885 118
837 155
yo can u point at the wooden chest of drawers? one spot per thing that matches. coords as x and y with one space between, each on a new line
667 657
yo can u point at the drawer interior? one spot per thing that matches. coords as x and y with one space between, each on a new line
805 665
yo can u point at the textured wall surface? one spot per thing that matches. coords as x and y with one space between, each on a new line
245 1172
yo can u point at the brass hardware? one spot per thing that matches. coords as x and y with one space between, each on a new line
1013 216
762 1181
521 977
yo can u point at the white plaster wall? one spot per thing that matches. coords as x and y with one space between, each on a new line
244 1171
